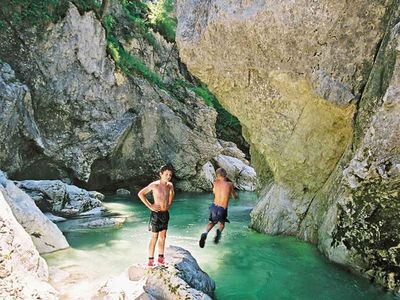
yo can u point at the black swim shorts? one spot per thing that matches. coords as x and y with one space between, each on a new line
218 214
158 221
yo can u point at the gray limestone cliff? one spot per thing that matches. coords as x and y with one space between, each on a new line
71 111
314 85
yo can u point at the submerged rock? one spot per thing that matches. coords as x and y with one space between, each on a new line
45 234
104 223
123 192
97 211
180 278
54 218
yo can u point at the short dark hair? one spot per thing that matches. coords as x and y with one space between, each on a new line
221 172
165 168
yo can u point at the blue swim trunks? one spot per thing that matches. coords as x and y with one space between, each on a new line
218 214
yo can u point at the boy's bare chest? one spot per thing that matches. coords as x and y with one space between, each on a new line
161 192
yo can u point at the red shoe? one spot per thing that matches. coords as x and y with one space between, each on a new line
151 262
161 260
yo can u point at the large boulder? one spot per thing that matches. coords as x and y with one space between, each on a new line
45 234
181 278
243 176
61 199
269 80
319 111
231 149
23 273
203 182
89 122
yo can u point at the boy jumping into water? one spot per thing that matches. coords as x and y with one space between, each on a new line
163 194
222 190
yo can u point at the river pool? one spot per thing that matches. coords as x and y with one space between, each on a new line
245 265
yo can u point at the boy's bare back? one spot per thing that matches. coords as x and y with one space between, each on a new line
222 190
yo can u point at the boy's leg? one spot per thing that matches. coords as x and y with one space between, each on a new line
221 226
219 232
161 241
203 236
152 246
209 226
161 246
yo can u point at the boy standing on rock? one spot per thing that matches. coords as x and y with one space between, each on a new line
163 194
222 190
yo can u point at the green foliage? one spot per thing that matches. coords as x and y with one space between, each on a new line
130 64
29 13
25 12
136 12
161 20
8 255
109 23
227 125
114 51
225 119
87 5
204 93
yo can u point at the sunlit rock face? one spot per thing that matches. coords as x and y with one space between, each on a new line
23 273
289 71
45 234
310 81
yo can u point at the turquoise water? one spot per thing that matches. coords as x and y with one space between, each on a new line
245 265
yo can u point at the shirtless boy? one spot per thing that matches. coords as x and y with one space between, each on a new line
163 194
222 190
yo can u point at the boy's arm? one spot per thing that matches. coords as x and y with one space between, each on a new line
143 198
171 195
233 192
213 188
